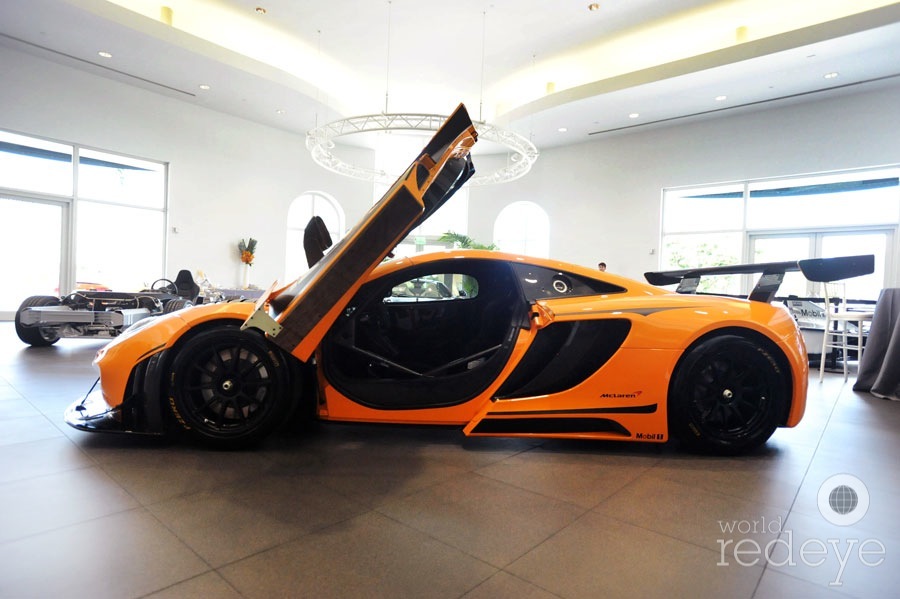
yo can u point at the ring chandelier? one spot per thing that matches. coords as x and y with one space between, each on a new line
320 143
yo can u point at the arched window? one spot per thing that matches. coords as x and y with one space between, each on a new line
523 228
303 208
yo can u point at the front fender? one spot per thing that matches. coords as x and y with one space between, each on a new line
120 357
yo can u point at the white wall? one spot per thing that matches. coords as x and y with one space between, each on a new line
231 178
603 197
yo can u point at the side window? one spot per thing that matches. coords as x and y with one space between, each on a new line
434 287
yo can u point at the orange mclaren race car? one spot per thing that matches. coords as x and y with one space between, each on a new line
494 343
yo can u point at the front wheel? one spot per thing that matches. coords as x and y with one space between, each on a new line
36 335
727 396
228 388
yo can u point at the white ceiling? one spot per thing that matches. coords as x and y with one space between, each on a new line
533 66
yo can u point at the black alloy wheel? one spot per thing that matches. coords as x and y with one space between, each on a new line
229 388
728 396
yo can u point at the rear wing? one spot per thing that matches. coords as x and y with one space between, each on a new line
820 270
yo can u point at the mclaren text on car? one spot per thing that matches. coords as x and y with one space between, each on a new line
496 344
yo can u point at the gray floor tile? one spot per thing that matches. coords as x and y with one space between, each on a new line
502 584
19 461
575 473
205 586
370 556
776 585
598 556
485 518
229 523
42 503
124 555
849 560
27 428
692 514
153 473
389 511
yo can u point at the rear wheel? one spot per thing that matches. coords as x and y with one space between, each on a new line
228 388
36 335
727 396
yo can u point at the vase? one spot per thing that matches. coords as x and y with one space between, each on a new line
245 277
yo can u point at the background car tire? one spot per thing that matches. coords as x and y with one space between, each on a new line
36 336
727 396
173 305
229 388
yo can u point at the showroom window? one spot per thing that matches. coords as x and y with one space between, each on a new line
101 218
523 228
828 215
301 210
120 216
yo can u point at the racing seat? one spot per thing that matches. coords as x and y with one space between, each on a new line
186 287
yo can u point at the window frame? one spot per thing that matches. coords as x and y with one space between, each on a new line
71 201
748 234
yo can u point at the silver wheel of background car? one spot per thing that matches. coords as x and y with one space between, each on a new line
728 395
173 305
35 335
228 387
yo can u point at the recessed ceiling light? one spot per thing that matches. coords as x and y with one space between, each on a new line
562 129
279 111
594 6
104 54
634 115
260 10
831 75
203 86
721 98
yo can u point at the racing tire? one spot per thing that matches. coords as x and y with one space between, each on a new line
173 305
36 336
228 388
728 396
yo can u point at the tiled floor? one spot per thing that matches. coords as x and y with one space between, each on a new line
362 511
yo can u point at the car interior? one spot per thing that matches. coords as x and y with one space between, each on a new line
445 328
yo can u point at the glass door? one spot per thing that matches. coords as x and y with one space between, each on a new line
797 246
866 287
783 248
32 234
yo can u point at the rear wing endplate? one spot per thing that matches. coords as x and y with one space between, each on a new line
820 270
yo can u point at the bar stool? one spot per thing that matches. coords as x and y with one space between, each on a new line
837 326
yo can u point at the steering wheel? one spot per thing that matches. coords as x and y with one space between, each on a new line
166 287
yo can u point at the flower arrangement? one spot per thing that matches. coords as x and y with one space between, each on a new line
247 250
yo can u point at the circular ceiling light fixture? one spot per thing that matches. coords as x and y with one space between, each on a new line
320 143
